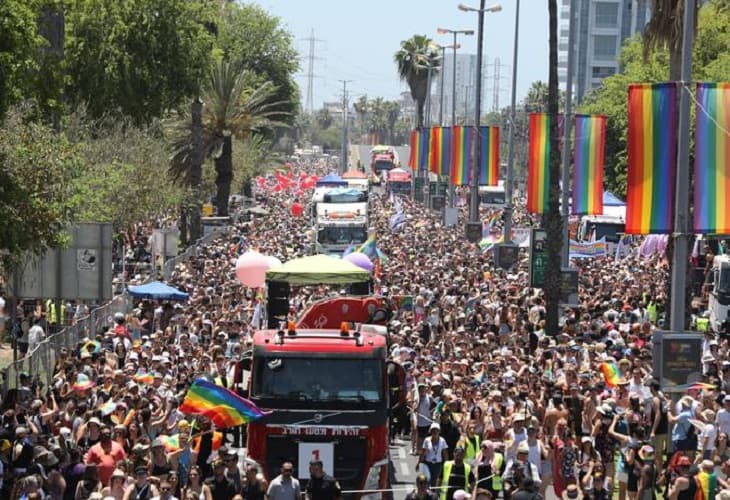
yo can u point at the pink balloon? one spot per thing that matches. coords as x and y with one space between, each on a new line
360 260
251 269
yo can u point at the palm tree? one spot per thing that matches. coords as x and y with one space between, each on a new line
361 107
664 31
392 113
233 107
377 120
553 222
415 57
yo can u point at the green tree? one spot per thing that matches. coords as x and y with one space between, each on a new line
392 113
19 46
232 109
377 119
140 57
38 173
255 40
361 110
416 56
552 221
324 118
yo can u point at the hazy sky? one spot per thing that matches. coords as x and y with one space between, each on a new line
359 39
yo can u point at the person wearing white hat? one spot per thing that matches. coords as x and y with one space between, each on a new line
434 453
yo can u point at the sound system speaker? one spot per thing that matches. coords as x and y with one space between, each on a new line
279 289
360 288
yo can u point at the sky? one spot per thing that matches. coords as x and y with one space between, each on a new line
358 40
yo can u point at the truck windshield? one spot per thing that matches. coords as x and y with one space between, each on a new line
724 280
609 230
318 379
355 196
381 165
342 235
492 197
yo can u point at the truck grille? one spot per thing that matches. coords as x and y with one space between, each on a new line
350 455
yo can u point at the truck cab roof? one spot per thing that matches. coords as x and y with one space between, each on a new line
312 341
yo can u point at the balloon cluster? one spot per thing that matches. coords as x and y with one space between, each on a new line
251 268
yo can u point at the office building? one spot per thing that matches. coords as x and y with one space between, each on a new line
602 26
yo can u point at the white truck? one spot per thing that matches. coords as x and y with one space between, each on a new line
609 226
339 225
719 297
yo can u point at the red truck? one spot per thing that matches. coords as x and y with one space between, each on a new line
330 394
382 159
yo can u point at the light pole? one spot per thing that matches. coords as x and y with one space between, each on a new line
473 226
507 235
567 124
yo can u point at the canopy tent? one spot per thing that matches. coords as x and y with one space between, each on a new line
611 200
156 290
399 175
354 174
316 270
331 180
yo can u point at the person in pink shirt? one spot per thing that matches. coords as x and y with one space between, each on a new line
106 454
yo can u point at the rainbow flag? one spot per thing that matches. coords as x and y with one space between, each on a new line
445 165
538 170
223 407
424 137
611 374
708 485
652 158
435 145
403 302
172 443
460 154
143 378
489 156
712 159
369 247
589 148
487 243
415 143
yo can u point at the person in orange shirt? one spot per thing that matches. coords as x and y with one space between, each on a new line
106 454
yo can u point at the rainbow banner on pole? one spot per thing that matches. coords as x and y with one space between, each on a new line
435 144
538 166
460 154
223 407
415 143
652 150
712 159
425 136
445 151
589 150
489 144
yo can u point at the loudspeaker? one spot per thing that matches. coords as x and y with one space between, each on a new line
279 289
360 288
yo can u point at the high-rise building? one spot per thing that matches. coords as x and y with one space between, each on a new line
601 28
466 70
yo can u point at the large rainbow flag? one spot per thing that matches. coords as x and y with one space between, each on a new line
589 148
712 159
415 143
445 151
538 165
652 158
489 156
460 154
425 136
223 407
435 145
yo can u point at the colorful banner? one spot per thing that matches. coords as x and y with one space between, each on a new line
460 154
489 155
652 158
435 144
538 165
415 143
424 137
589 147
445 151
588 249
712 159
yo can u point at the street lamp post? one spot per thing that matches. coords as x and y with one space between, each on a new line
473 226
507 235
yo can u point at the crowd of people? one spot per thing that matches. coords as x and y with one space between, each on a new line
498 407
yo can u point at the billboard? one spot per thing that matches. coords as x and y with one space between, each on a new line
82 271
677 359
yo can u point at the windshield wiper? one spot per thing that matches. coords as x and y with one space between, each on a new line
359 398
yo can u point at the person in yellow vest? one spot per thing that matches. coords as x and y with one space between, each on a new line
54 320
470 442
488 468
455 476
703 322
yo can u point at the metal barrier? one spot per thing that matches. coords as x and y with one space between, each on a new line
192 251
40 361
